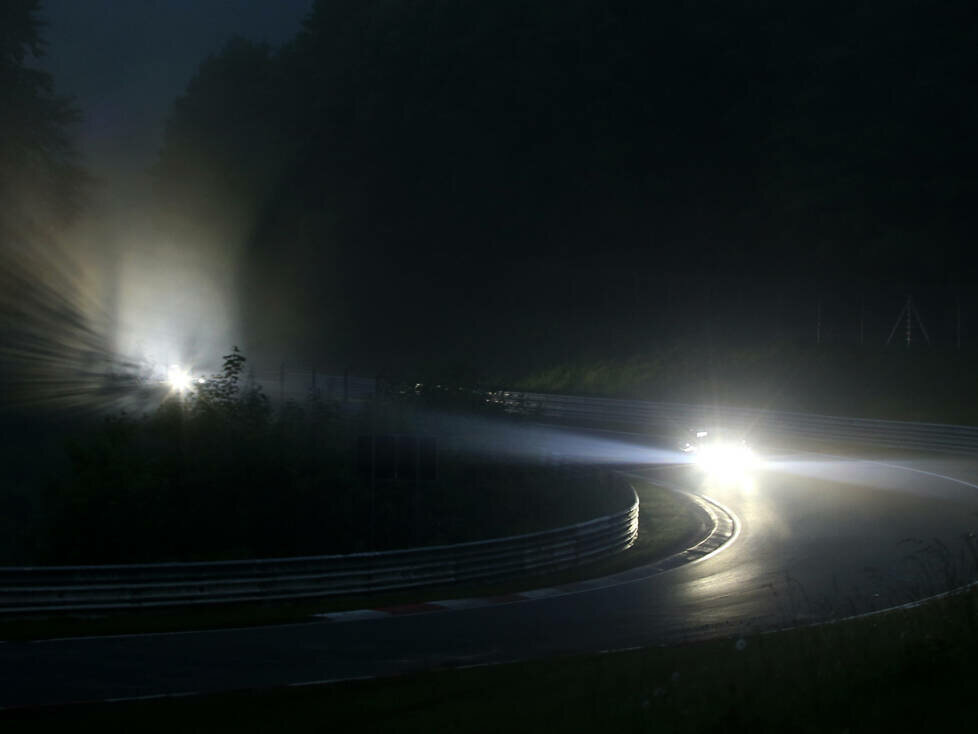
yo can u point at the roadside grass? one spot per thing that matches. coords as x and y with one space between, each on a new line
906 670
668 523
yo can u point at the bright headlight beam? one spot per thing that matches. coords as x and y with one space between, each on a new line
725 459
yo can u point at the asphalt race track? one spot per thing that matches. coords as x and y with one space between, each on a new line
819 537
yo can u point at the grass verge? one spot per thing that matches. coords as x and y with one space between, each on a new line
905 670
668 522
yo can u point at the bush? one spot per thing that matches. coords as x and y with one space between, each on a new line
219 475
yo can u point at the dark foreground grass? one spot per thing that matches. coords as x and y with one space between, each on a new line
910 670
668 522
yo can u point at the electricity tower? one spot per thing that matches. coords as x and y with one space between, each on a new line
908 314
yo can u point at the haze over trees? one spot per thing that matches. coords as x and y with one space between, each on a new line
430 172
46 342
40 175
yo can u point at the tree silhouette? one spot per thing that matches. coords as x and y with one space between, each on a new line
40 174
761 142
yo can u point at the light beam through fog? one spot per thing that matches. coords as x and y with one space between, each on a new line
502 441
93 323
175 307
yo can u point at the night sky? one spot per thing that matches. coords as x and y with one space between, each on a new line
125 61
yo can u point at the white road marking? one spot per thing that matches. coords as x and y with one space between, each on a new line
127 635
613 650
545 593
354 615
151 697
459 603
329 681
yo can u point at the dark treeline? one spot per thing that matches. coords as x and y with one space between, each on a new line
41 179
474 177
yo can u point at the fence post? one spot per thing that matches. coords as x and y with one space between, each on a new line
818 321
957 324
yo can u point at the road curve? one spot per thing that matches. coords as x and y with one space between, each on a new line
820 537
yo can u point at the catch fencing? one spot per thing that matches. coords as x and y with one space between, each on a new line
761 424
298 384
34 590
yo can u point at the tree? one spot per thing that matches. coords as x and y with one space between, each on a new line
222 145
757 141
225 393
41 179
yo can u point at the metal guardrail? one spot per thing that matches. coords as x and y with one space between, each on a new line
26 590
298 384
654 415
77 588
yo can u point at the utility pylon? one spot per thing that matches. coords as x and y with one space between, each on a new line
908 313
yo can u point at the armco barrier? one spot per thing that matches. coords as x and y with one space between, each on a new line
678 416
29 590
48 589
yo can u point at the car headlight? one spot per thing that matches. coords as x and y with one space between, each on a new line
725 458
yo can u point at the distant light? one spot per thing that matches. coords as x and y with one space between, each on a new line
701 434
201 380
179 379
